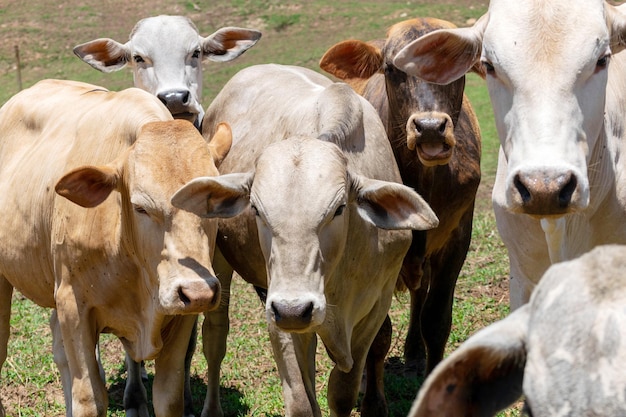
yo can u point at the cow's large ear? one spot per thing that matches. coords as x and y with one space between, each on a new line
617 25
88 186
389 205
483 376
352 59
104 54
444 55
220 143
221 196
228 43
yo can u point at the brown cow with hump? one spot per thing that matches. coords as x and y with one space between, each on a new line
435 137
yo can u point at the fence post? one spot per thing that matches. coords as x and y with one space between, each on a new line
19 68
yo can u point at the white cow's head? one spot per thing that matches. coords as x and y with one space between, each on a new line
547 70
166 54
565 350
171 249
306 202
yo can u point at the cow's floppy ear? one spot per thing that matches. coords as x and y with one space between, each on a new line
483 376
617 25
221 196
228 43
352 59
389 205
444 55
220 143
88 186
104 54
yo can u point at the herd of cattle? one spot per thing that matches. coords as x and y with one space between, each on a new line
328 197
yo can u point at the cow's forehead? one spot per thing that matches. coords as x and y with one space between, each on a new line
167 155
310 171
160 31
538 31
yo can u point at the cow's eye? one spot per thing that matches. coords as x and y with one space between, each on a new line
140 210
196 54
488 67
138 59
340 210
603 62
255 210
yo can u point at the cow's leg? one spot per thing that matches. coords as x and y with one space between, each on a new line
437 312
215 329
191 349
135 396
169 376
414 347
6 293
295 359
74 344
343 387
60 358
374 402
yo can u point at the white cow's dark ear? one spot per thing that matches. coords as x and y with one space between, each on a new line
389 205
444 55
616 21
483 376
104 54
222 196
228 43
88 186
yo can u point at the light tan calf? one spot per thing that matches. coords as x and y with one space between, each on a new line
107 251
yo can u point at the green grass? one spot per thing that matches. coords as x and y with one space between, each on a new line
296 34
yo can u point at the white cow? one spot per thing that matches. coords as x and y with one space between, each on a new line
557 83
166 54
313 177
107 251
565 351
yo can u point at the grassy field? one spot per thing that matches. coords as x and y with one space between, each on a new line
44 33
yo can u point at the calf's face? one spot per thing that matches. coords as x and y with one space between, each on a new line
165 54
171 248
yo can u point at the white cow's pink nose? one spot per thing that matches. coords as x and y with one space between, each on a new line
545 192
296 314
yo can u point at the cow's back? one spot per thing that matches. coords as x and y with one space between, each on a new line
254 103
47 130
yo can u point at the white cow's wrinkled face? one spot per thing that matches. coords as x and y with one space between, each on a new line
547 69
166 58
299 197
174 246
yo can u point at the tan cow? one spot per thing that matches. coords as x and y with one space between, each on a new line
556 77
564 351
436 141
166 54
324 225
107 251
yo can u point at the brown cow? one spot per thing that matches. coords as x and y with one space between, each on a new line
436 141
107 251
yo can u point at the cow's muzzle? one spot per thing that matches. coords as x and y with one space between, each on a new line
431 135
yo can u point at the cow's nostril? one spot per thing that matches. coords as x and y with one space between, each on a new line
521 189
183 297
565 196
